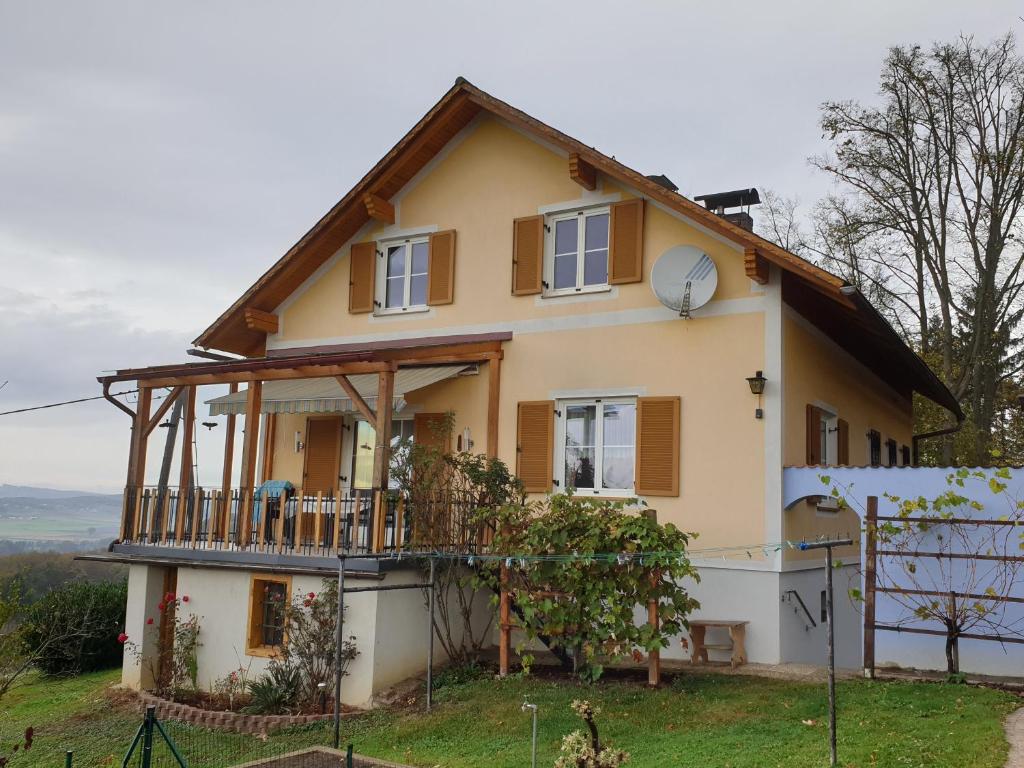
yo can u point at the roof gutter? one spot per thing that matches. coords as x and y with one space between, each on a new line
916 439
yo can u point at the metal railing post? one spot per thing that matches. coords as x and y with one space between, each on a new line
147 737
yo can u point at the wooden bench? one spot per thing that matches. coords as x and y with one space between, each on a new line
737 637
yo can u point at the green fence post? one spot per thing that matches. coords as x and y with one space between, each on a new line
147 743
348 757
68 756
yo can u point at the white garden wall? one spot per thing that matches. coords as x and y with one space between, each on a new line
909 650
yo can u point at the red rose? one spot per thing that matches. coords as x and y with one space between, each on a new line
160 607
168 597
311 595
184 599
149 620
307 603
122 638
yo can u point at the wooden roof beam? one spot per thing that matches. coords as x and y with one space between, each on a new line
755 265
258 320
357 399
378 208
582 172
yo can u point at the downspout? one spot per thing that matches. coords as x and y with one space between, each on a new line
115 401
915 439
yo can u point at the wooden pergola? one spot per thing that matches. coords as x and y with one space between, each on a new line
337 362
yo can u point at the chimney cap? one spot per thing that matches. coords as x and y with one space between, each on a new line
734 199
665 181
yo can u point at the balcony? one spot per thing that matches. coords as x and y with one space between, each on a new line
293 523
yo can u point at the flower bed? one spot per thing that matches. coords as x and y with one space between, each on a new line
228 721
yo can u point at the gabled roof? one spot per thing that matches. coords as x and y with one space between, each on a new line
452 113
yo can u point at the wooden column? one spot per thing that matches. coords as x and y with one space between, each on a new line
137 439
250 441
382 448
229 459
653 657
505 624
870 578
493 399
185 468
268 448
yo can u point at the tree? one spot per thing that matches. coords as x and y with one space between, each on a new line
580 568
940 568
932 182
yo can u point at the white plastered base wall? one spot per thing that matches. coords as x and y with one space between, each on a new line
389 627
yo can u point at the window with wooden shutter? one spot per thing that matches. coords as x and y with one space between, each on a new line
890 452
626 242
441 273
322 454
527 255
905 455
842 442
814 456
657 446
361 277
269 597
432 429
534 445
874 448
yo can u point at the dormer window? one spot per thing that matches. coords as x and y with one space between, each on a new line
577 252
402 285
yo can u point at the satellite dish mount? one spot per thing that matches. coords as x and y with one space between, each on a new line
684 278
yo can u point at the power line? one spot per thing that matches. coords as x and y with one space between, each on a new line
70 402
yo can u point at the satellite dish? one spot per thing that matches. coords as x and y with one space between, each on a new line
684 278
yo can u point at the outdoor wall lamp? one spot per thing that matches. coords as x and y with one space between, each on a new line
298 442
756 383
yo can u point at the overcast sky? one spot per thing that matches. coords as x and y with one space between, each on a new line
156 158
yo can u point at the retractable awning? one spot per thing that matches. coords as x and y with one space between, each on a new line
325 395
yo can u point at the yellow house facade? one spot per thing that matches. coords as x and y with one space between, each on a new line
505 273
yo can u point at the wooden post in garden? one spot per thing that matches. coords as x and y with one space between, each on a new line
653 657
505 620
870 583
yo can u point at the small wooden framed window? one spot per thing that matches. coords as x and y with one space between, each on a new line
269 597
874 448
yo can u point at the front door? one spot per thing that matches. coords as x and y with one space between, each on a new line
323 454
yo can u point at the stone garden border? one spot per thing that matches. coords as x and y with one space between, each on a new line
227 721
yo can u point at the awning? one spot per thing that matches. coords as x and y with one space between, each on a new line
325 395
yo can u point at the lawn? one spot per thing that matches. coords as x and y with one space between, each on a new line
703 720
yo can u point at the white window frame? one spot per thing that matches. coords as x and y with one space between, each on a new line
830 455
380 293
560 433
549 251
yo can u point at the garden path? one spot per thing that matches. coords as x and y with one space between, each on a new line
1015 735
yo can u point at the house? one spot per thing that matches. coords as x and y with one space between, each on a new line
495 268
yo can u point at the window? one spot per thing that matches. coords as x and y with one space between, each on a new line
577 246
827 432
402 285
905 455
268 601
599 445
875 448
366 441
890 449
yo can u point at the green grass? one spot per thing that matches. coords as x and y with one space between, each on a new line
709 721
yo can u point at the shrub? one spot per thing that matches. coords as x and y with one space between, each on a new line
276 691
89 615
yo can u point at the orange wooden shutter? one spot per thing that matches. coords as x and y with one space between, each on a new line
535 433
813 458
527 255
626 242
657 446
322 457
429 429
441 271
842 442
362 270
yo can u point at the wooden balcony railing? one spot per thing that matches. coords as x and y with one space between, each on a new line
321 524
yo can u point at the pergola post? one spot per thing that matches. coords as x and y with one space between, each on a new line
136 458
382 449
250 443
229 458
493 397
185 468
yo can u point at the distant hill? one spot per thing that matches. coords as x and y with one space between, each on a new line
68 517
30 492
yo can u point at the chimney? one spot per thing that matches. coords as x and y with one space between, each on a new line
738 198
